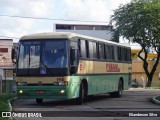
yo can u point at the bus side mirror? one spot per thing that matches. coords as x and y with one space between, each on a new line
13 55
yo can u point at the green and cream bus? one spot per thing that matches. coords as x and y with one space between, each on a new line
71 66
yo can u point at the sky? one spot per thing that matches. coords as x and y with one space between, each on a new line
80 10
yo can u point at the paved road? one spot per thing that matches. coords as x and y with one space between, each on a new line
133 100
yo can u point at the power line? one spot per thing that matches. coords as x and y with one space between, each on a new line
9 37
42 18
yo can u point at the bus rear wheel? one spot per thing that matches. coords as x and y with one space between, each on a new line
39 101
80 99
119 92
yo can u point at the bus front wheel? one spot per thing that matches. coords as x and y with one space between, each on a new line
39 101
119 92
80 99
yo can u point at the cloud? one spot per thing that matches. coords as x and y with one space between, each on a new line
36 8
99 10
14 27
17 27
85 10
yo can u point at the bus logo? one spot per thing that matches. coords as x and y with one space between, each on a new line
112 68
42 70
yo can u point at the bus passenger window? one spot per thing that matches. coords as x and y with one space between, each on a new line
109 52
116 53
128 54
112 52
101 51
120 53
123 53
92 50
83 52
74 45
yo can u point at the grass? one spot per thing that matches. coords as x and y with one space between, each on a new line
4 103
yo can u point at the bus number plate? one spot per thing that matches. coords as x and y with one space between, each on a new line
40 92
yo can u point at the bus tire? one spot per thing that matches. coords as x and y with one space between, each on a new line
80 99
120 89
39 101
119 92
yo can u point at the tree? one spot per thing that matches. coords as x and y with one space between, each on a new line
139 22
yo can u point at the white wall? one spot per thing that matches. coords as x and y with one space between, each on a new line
93 33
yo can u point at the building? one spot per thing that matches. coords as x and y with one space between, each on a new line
138 72
150 56
5 53
7 81
102 31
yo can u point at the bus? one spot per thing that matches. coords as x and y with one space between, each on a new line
70 66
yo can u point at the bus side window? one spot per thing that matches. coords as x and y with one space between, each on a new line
90 50
128 54
123 54
108 52
93 50
87 49
120 53
74 45
101 51
115 53
83 48
112 53
79 47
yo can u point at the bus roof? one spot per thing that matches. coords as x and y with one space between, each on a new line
65 35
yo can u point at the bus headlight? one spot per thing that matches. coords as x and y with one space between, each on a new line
62 91
20 91
21 83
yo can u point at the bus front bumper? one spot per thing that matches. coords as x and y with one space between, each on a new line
42 92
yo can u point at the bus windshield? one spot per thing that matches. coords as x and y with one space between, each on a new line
43 53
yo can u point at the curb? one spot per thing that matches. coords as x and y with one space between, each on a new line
154 100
